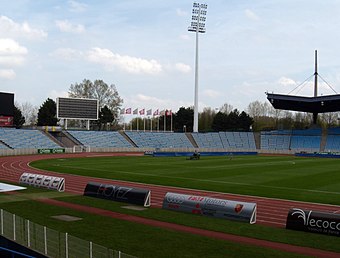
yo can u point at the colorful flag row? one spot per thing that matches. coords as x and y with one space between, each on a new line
129 111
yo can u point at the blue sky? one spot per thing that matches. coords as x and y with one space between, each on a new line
144 48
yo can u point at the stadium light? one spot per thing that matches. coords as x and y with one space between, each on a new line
199 12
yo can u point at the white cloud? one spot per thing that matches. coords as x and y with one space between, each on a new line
12 29
126 63
7 74
66 26
77 7
11 53
181 13
55 94
183 68
211 93
251 15
66 53
286 82
147 102
10 47
184 37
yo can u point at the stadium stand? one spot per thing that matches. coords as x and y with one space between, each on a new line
309 139
208 140
26 139
101 139
238 140
306 139
333 140
275 140
159 139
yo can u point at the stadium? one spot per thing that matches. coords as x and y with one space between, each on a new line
77 192
83 193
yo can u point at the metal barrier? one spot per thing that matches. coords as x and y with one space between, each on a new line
51 242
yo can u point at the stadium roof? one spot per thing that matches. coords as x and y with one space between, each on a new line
319 104
315 105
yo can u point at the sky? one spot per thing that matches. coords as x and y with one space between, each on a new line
145 49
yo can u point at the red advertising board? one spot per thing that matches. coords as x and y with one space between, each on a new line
6 121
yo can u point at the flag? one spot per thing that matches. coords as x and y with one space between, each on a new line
135 112
122 111
128 111
149 112
156 113
142 111
168 113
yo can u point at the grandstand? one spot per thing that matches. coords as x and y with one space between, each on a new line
25 139
159 139
100 139
282 141
208 140
275 140
333 140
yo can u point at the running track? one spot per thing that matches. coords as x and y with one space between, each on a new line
270 212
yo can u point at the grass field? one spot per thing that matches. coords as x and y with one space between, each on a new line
287 177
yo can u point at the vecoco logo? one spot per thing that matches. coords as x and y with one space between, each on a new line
311 221
302 215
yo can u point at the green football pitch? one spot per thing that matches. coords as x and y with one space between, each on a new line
285 177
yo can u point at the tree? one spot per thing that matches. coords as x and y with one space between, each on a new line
183 119
105 116
47 113
107 95
245 121
205 119
226 108
219 122
29 112
18 119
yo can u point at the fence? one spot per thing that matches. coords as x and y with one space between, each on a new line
51 242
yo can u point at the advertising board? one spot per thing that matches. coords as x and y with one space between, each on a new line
118 193
313 221
42 181
213 207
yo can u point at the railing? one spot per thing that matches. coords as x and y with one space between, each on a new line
51 242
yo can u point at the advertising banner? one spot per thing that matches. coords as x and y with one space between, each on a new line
313 221
6 121
206 206
49 182
125 194
49 151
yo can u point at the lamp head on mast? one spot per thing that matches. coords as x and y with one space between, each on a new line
199 12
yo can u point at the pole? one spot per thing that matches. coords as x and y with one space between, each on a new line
164 120
195 129
171 121
316 75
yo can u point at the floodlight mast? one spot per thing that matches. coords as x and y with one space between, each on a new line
199 12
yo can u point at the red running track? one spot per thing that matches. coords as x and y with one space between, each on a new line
270 212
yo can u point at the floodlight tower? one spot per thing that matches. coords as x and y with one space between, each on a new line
199 12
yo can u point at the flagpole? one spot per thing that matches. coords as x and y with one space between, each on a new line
164 120
171 121
158 124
